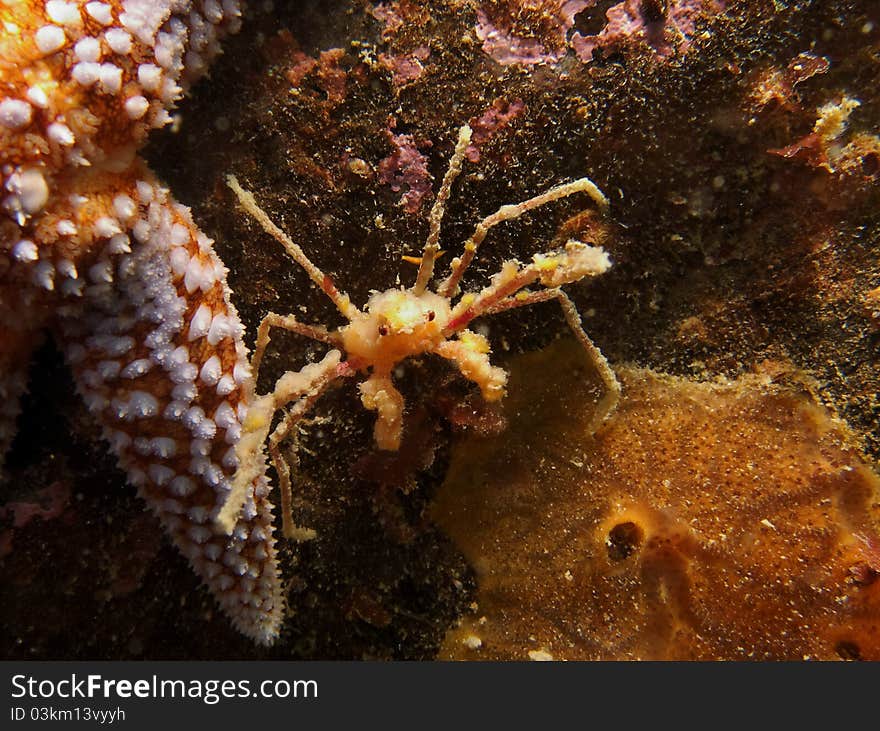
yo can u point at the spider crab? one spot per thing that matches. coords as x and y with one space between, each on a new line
400 323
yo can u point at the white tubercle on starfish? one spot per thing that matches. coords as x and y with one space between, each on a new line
94 249
81 83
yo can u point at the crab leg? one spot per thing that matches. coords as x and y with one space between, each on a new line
323 281
379 394
293 385
510 212
510 280
470 354
303 406
608 403
289 323
520 299
554 269
429 255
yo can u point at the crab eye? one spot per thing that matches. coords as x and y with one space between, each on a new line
429 315
383 330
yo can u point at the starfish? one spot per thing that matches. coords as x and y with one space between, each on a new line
96 252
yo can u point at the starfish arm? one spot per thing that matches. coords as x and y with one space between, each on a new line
157 353
83 83
90 245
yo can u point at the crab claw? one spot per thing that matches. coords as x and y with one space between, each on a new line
576 261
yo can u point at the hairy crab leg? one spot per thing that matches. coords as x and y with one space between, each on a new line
293 385
507 282
323 281
608 403
303 406
379 394
520 299
429 255
509 213
470 354
553 269
291 324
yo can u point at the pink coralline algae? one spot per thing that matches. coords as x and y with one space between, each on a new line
527 31
406 168
405 68
388 14
494 119
665 29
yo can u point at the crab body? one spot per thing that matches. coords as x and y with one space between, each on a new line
397 324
